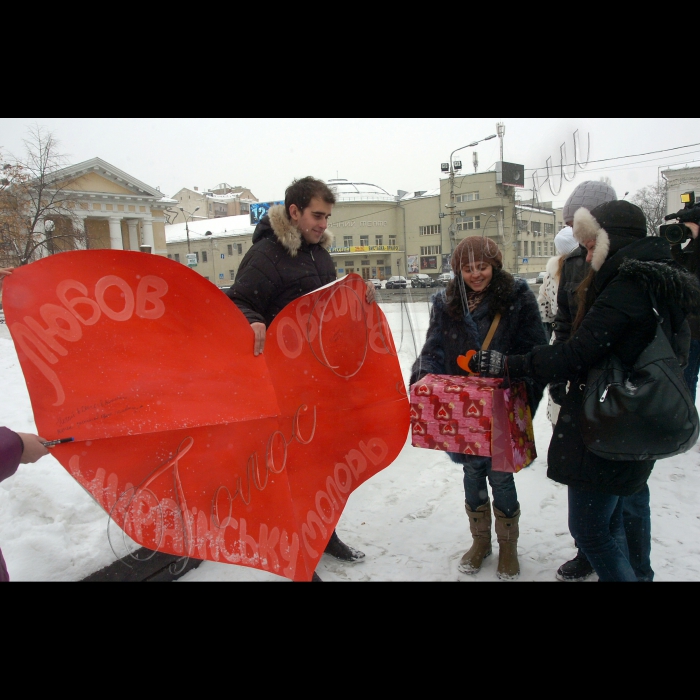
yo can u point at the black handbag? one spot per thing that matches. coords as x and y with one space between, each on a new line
641 413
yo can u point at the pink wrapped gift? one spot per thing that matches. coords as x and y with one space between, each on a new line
473 415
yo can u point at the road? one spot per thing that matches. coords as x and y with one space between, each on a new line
393 296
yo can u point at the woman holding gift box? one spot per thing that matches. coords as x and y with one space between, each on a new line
483 300
615 314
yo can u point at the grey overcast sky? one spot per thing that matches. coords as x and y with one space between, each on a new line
266 154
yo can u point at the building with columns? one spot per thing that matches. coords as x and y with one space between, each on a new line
116 210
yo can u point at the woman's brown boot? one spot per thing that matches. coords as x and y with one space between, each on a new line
480 526
507 533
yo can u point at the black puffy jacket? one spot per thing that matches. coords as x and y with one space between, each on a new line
279 268
620 320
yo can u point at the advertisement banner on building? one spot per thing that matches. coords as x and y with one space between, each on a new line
428 262
259 209
412 263
446 263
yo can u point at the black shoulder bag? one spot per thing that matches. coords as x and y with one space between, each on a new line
641 413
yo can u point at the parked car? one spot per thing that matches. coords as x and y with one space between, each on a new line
540 278
421 280
444 278
377 283
396 282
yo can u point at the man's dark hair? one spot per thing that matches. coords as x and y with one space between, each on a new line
302 191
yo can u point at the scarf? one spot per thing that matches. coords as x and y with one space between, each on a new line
474 299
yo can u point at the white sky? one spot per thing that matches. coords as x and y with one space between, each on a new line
266 154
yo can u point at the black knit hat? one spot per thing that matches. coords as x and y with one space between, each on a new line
611 225
621 218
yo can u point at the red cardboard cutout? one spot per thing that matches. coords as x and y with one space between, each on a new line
191 444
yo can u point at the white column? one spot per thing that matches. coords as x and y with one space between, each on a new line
133 234
148 232
79 223
115 233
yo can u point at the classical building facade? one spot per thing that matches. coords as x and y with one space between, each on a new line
117 210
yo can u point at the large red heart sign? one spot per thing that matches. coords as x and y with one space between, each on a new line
194 446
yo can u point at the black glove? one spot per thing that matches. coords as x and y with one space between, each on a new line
558 392
488 363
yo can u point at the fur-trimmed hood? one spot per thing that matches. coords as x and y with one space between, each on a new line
587 228
276 223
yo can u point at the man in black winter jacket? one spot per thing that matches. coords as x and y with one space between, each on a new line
289 258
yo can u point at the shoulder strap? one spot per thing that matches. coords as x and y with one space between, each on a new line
492 330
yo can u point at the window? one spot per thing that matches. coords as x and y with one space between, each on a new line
430 250
349 263
379 240
170 257
204 257
176 257
392 239
364 262
549 228
349 270
539 248
429 230
468 223
239 248
520 249
380 262
524 249
522 225
536 227
347 241
560 225
206 278
364 240
229 247
467 197
232 273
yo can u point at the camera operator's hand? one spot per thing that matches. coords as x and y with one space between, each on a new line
695 229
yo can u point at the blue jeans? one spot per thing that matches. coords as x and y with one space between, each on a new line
505 497
596 524
636 518
691 371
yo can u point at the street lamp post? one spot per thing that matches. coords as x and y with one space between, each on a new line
188 215
451 206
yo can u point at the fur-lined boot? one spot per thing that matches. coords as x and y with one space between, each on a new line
507 532
480 527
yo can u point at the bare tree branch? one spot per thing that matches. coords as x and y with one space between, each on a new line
652 201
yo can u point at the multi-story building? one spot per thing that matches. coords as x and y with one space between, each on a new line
377 234
217 246
223 200
679 180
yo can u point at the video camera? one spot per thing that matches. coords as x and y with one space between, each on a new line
677 233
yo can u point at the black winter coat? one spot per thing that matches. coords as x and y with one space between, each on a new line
620 320
279 268
519 330
689 258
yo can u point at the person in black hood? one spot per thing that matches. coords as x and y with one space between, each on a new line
289 258
614 315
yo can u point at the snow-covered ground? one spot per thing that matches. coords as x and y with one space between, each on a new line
409 519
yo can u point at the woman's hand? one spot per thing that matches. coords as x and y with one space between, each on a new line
488 363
